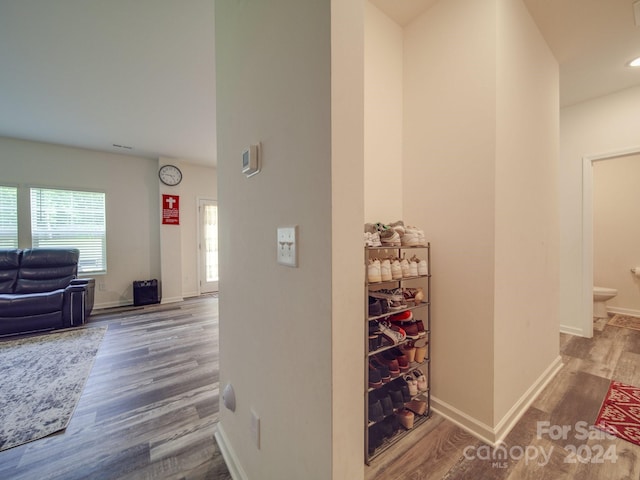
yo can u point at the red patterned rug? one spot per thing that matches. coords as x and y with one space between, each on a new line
620 412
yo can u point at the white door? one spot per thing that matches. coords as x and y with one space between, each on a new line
208 212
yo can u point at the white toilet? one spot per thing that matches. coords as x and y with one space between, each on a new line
600 297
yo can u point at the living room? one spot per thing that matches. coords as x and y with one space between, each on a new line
311 410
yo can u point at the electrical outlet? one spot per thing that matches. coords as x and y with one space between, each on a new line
288 246
255 428
102 287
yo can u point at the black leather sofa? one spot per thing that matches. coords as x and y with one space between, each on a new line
39 290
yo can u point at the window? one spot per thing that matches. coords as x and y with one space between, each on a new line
67 218
8 217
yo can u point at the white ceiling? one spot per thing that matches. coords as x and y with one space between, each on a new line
93 73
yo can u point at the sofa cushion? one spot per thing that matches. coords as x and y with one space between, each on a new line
46 269
9 264
27 304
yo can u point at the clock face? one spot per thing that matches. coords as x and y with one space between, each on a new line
170 175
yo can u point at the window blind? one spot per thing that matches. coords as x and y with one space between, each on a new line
68 218
8 217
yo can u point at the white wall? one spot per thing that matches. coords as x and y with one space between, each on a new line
449 148
382 117
133 205
290 336
480 143
616 230
602 126
526 319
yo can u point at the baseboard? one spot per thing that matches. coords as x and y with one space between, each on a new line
493 436
579 332
230 458
512 417
624 311
478 429
171 299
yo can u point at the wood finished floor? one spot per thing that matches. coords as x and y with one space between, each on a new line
436 451
149 406
150 403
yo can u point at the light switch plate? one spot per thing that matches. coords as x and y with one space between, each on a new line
288 246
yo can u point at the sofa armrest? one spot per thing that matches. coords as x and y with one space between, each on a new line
82 297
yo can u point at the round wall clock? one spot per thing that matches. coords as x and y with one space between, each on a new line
170 175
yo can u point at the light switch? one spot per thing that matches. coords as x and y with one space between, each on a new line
288 246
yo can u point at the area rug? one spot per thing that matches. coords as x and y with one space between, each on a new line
626 321
620 412
41 380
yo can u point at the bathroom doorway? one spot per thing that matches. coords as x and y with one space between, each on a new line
589 233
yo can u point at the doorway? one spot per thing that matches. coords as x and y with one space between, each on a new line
587 234
208 245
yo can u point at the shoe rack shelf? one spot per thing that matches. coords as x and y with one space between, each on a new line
382 434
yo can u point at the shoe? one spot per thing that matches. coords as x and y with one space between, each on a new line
416 237
397 399
383 370
375 342
385 402
395 295
385 270
421 351
392 333
375 438
375 381
392 364
421 380
372 239
397 355
412 382
402 316
398 227
396 269
390 238
418 405
411 331
421 331
404 266
375 309
404 390
373 271
422 267
370 228
375 410
410 351
405 417
389 426
413 266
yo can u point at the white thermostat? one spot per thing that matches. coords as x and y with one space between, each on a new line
251 160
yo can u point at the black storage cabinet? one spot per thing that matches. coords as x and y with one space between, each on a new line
145 292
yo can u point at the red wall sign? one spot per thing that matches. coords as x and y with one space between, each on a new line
170 210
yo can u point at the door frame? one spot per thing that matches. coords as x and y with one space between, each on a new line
199 241
587 232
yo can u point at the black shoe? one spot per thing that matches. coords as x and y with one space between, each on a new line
375 410
375 309
397 400
387 405
375 438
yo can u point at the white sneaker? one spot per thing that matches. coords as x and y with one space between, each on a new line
385 270
390 238
418 236
373 271
413 267
422 268
396 269
404 265
411 237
